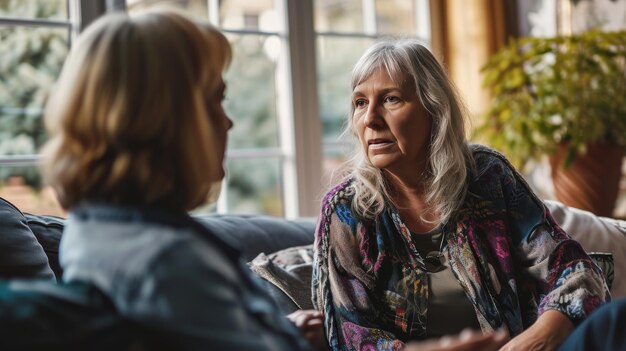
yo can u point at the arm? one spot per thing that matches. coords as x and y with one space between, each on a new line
342 287
547 333
466 341
310 323
567 282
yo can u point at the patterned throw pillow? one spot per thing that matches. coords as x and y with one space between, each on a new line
289 270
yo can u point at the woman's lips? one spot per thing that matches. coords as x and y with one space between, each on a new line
378 143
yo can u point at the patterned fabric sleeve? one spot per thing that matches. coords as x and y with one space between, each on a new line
342 286
564 276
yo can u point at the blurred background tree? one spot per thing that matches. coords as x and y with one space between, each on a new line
31 60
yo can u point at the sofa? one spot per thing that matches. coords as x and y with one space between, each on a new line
278 250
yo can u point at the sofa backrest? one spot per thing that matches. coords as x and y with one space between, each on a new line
30 243
255 234
22 254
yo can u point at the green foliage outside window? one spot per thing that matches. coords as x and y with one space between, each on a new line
30 63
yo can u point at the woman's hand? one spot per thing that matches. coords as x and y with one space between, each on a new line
550 329
311 325
466 341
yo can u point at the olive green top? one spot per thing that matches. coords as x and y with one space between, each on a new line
449 309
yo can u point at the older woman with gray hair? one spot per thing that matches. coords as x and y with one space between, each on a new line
428 235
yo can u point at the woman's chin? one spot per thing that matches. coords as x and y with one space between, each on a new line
214 192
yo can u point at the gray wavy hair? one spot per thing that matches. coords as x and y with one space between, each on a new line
450 160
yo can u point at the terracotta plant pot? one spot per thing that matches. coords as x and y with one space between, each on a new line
591 182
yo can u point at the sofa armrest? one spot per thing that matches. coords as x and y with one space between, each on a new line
48 230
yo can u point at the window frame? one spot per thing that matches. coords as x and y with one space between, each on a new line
301 143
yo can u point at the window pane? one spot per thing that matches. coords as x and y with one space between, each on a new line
197 8
31 61
250 15
335 58
339 16
395 16
49 9
335 154
22 187
254 186
251 92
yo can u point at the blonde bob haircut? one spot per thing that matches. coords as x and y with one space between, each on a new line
128 122
445 180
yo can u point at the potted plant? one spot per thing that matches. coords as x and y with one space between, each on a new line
564 97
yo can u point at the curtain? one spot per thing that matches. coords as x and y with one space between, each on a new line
465 34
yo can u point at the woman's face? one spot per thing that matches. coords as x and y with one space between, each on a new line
393 126
220 121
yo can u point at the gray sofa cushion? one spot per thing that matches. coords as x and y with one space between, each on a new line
22 256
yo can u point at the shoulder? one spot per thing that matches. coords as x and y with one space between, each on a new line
496 179
337 217
192 254
338 198
188 271
340 193
493 169
489 159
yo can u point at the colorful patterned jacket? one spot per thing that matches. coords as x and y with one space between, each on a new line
511 259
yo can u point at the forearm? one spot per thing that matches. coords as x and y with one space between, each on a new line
555 323
550 329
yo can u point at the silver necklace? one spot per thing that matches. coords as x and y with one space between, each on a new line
434 260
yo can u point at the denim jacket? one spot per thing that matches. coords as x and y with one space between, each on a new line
168 273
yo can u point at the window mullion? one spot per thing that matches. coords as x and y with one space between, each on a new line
369 17
422 20
301 133
214 12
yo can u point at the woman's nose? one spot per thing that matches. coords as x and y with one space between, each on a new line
373 117
229 123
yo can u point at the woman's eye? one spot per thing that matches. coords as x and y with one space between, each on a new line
392 99
359 103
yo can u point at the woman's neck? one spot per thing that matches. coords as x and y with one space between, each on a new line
409 198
